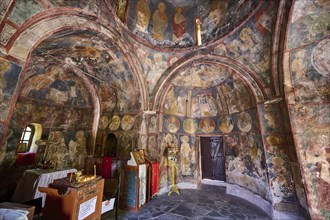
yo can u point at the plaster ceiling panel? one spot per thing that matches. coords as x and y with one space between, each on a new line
172 23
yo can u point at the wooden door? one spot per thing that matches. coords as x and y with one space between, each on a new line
213 160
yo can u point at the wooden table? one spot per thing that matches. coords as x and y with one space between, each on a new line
27 187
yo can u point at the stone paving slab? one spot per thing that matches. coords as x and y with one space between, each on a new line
208 202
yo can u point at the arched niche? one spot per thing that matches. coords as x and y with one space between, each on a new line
213 97
110 145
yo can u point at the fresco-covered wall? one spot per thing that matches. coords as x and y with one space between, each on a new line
251 44
57 99
210 100
9 76
285 182
112 69
307 81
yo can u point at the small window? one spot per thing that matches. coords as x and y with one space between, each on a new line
27 136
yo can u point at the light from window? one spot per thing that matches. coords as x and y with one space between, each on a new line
27 135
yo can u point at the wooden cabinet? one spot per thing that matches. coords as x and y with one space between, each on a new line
70 201
135 187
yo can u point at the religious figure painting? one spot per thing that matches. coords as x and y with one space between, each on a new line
142 15
320 58
127 122
121 9
153 124
160 21
103 122
115 123
173 124
185 156
125 146
207 125
78 150
178 24
190 125
226 124
244 122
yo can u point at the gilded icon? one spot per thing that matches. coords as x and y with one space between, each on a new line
115 123
190 125
127 122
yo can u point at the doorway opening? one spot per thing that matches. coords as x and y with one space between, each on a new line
110 146
212 158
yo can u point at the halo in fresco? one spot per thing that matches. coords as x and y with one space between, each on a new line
226 124
190 125
104 122
320 57
207 125
115 123
127 122
273 140
244 121
173 124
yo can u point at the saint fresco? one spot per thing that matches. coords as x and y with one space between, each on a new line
225 124
114 123
207 125
190 125
244 122
127 122
173 124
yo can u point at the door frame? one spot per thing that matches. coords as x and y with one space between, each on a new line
198 137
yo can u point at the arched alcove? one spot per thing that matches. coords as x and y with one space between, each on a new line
110 145
209 98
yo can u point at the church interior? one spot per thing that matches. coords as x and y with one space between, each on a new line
231 92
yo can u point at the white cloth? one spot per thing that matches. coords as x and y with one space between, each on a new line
27 187
10 214
143 184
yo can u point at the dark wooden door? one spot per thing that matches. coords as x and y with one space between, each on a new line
213 159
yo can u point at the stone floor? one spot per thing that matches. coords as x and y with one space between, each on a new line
208 202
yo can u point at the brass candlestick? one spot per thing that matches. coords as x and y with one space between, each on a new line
172 157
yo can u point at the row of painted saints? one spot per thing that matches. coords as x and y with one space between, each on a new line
159 19
126 123
207 125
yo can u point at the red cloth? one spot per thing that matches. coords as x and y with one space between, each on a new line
106 167
25 158
154 180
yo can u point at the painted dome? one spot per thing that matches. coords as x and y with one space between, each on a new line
173 23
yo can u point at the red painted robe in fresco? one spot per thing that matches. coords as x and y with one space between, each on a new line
179 26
